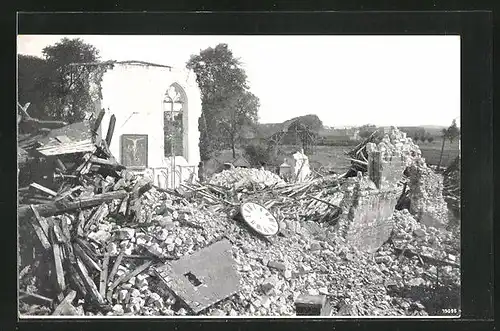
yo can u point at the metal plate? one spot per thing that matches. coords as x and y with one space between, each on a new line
203 278
259 219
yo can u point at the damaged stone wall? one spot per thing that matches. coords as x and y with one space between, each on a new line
369 201
367 221
426 196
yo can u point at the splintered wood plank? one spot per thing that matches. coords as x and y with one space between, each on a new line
98 121
43 189
85 258
77 279
101 212
59 271
109 163
84 163
87 247
123 206
58 234
131 274
117 263
40 233
68 148
89 283
66 301
45 300
104 275
44 224
61 165
68 193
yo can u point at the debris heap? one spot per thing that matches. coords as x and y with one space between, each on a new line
97 239
239 178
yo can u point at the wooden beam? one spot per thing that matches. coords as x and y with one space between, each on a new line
103 281
111 129
85 258
108 163
112 274
41 221
97 122
43 189
42 237
101 212
59 271
134 273
76 278
36 296
61 165
89 283
117 263
54 208
66 301
24 109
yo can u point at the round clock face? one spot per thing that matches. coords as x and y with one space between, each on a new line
259 219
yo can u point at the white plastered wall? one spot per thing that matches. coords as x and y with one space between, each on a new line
135 94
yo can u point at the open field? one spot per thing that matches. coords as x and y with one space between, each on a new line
432 151
334 158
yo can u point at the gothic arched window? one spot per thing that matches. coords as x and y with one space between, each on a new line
173 102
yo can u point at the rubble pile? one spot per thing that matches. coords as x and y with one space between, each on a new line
98 239
239 178
392 142
425 187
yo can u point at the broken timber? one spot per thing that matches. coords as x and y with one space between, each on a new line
134 273
54 208
104 276
43 189
112 274
65 302
59 271
68 148
89 283
41 233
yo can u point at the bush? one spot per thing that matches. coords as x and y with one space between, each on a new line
430 139
257 154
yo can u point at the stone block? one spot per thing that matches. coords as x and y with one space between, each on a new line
367 219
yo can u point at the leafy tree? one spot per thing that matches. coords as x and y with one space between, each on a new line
421 134
430 139
416 138
56 88
241 113
31 78
227 104
453 131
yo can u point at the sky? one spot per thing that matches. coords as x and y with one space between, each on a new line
345 80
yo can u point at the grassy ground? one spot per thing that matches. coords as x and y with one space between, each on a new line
333 157
431 152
